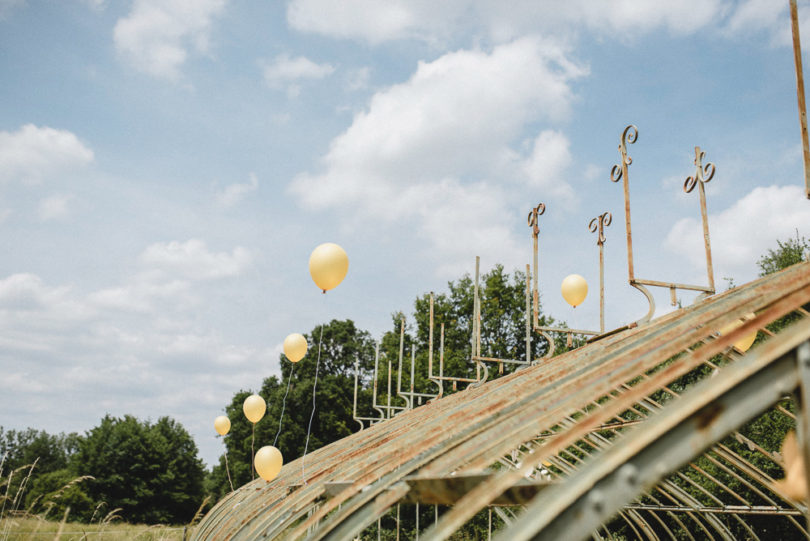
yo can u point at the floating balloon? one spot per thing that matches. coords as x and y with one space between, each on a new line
574 289
744 343
254 408
268 461
222 425
328 265
295 347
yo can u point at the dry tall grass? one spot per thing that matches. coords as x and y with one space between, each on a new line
35 528
22 524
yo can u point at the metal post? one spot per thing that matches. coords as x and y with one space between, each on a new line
476 339
441 357
417 521
619 172
533 214
709 267
354 406
399 370
389 387
599 223
430 341
797 58
374 404
601 288
413 363
703 174
528 315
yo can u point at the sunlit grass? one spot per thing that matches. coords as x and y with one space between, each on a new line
17 524
33 528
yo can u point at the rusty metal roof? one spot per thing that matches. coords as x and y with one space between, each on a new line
644 431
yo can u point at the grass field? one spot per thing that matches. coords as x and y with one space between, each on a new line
32 528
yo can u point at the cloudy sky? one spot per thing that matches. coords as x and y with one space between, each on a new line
167 166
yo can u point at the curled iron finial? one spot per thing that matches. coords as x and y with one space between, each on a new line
600 222
629 136
533 214
703 173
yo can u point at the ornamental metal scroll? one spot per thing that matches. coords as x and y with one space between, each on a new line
599 222
703 174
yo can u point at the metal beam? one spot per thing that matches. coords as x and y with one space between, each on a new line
703 416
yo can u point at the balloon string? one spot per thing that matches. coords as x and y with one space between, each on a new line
284 404
227 470
252 454
312 415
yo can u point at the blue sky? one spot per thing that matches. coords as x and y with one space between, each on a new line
166 167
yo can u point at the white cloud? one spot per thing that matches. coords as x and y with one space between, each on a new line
286 72
124 349
157 34
432 22
193 260
234 193
742 233
371 20
545 166
772 18
437 145
32 154
27 292
55 207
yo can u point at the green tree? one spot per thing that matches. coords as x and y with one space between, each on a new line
150 470
53 492
342 344
33 453
787 253
503 321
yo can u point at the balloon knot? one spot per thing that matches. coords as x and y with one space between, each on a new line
324 292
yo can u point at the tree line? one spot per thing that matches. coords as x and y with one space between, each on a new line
139 471
150 472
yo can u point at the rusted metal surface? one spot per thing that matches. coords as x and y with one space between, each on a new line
708 413
563 421
598 224
702 174
797 59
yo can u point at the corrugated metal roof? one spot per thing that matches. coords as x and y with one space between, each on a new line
544 439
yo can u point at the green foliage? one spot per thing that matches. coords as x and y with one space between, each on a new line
342 344
787 253
55 491
503 323
32 453
150 470
51 452
503 333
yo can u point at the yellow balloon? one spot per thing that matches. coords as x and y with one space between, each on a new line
254 408
574 289
295 347
268 462
222 425
744 343
328 265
